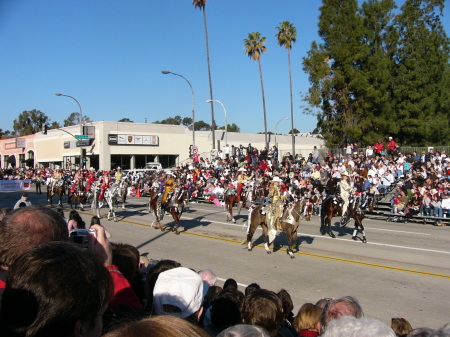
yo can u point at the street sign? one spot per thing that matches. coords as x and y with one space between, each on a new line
81 136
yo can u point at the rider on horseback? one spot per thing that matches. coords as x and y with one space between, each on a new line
105 181
346 190
169 186
242 180
118 175
276 206
91 178
56 178
76 178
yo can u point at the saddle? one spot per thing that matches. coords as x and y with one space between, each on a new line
230 191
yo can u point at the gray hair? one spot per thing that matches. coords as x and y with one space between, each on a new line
244 330
349 326
208 276
442 332
337 308
421 332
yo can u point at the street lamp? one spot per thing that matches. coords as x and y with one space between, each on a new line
276 125
225 111
165 72
81 124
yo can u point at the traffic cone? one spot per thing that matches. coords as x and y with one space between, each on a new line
138 193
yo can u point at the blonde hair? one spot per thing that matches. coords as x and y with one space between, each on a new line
307 317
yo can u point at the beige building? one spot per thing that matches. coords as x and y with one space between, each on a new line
132 145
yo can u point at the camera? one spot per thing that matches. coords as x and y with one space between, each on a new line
81 236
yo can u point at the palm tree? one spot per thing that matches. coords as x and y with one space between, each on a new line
254 47
287 34
201 5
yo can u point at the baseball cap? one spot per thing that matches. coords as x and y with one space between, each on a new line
178 287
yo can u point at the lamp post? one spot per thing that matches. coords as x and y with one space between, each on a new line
225 111
81 125
276 125
165 72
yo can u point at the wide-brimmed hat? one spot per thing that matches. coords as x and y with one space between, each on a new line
242 170
276 179
345 173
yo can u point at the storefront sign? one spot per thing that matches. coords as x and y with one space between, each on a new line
133 140
15 185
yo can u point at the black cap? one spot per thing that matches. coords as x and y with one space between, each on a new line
25 194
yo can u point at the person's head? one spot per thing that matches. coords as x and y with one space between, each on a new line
25 196
212 293
308 317
159 326
230 284
264 308
126 258
95 220
208 276
226 309
251 287
244 330
55 289
27 227
348 326
74 215
336 308
288 305
179 292
421 332
401 326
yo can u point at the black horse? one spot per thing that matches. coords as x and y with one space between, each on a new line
332 206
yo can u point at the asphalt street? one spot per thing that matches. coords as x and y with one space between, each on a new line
402 271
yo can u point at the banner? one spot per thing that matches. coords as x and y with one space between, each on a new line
15 185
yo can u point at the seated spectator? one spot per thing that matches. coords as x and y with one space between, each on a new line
225 311
401 326
152 277
68 301
336 308
230 284
349 326
425 208
159 326
436 205
306 323
179 292
244 330
264 308
251 287
288 306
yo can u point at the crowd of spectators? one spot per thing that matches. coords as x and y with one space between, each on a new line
51 286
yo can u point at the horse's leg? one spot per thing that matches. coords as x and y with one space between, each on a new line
358 224
330 232
290 239
176 217
250 231
267 242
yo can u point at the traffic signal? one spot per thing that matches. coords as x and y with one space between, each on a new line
84 152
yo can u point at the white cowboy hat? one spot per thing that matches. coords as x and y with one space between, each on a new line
345 173
242 170
276 179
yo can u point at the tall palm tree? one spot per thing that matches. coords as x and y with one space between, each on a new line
201 4
287 35
254 47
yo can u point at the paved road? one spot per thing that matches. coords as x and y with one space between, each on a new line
403 270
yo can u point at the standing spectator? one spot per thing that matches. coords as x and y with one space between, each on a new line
315 155
75 221
378 147
306 323
392 147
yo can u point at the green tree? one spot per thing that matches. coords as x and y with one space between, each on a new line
380 36
127 120
334 68
254 47
55 125
186 121
201 4
74 119
287 35
29 122
422 62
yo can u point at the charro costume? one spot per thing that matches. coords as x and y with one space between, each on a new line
169 186
56 178
346 190
276 207
118 175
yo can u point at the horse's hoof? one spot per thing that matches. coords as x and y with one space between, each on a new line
354 238
292 256
269 252
234 221
364 240
322 232
333 236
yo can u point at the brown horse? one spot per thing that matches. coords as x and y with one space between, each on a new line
59 190
174 205
288 223
231 200
80 195
332 206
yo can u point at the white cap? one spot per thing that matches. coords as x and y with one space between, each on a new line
180 287
276 179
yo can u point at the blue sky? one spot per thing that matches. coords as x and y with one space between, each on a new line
109 55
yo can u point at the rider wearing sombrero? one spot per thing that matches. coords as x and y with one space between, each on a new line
242 180
346 190
277 198
56 177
